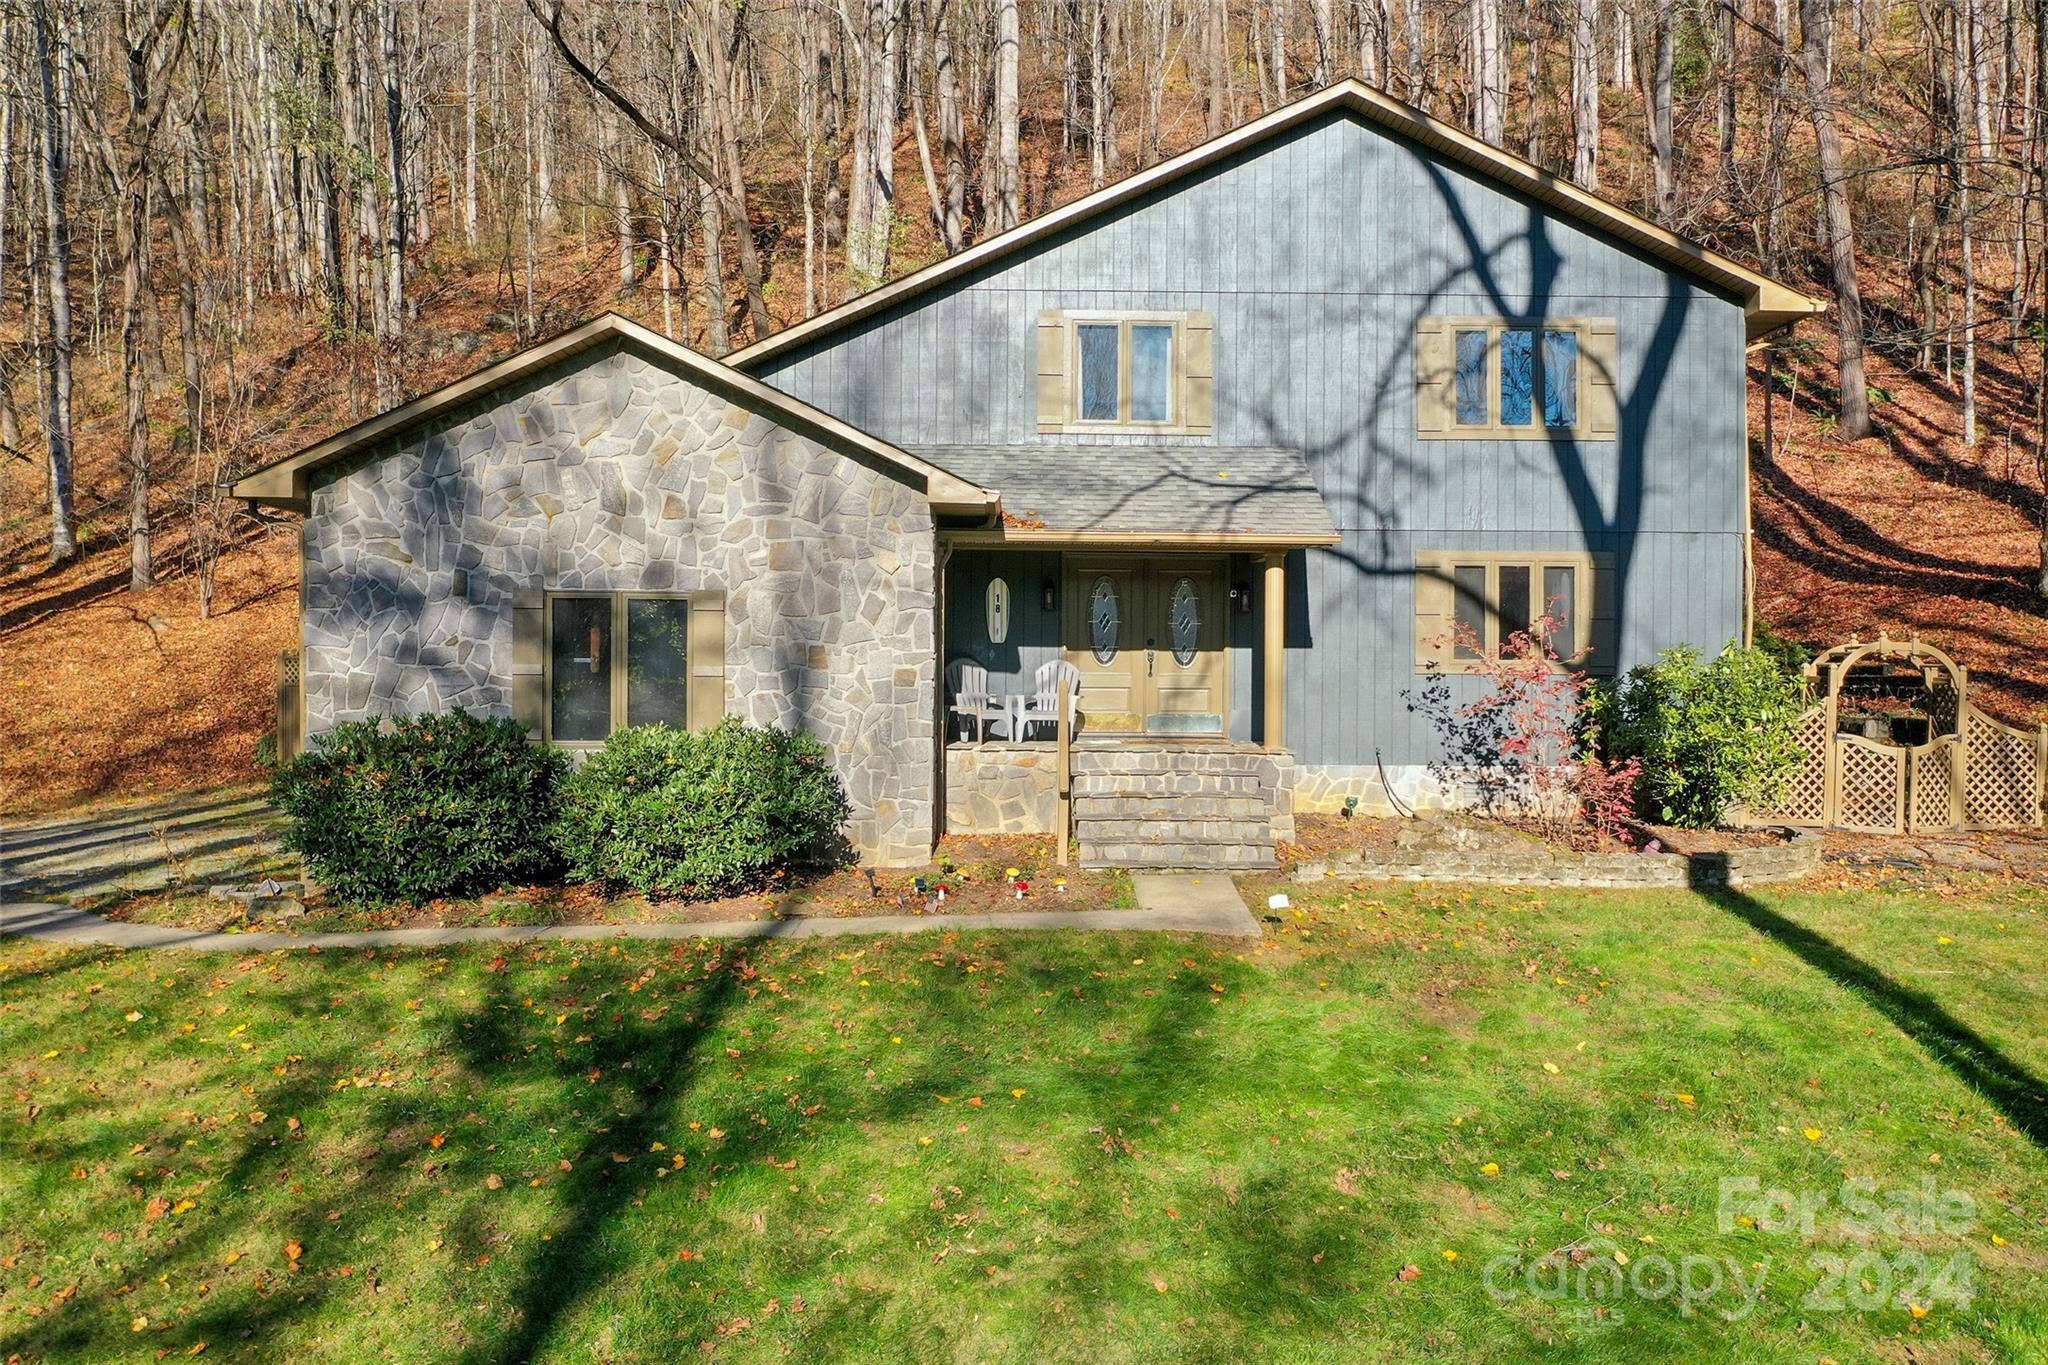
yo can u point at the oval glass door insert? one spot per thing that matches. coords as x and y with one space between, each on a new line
1105 619
1184 620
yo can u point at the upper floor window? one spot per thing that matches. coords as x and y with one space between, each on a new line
1150 372
1500 379
1126 371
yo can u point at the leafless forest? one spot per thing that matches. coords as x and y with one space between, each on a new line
183 181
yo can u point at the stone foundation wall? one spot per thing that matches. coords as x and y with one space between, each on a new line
610 473
1538 865
1002 789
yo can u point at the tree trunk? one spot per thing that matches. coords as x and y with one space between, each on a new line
391 323
952 131
1662 150
1008 208
1854 406
1586 94
469 100
53 57
1489 82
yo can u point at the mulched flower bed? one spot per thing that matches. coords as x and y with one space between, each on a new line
979 874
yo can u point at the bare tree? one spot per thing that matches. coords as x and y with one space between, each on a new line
53 60
1489 73
1854 403
1586 94
1007 165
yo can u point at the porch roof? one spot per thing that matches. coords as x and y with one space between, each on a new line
1250 495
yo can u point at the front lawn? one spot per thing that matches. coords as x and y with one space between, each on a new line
1030 1146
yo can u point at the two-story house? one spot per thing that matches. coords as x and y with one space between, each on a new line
1248 439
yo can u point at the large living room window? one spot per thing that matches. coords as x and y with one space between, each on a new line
615 659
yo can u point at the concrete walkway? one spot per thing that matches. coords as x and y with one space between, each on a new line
1168 903
194 837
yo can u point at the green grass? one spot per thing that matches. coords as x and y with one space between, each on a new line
1010 1147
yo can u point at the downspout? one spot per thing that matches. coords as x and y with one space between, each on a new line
942 556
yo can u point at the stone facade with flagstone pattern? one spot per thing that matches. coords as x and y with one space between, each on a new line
609 473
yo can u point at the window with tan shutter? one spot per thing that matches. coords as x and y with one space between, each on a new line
1501 379
588 663
1469 605
1117 372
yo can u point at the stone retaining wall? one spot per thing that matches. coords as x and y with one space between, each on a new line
1540 865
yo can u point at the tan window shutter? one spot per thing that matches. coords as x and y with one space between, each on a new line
529 660
1435 376
706 701
1432 609
1198 374
1053 405
1605 633
1602 369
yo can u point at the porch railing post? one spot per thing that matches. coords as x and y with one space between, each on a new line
1063 742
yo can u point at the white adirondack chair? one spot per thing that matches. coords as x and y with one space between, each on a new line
967 684
1043 707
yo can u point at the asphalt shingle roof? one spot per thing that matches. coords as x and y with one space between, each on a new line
1235 490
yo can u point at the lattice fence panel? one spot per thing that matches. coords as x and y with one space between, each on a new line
1873 780
1931 785
1806 791
1999 779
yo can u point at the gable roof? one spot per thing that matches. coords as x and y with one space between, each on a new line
285 482
1768 304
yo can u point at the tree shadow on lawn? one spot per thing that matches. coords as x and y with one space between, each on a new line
363 1152
2016 1092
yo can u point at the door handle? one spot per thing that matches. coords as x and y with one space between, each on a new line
1150 653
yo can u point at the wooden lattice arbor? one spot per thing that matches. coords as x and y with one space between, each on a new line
1892 743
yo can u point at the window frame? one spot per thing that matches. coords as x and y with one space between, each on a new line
1176 371
1441 651
616 668
1493 428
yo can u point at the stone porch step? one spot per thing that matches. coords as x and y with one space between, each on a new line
1191 806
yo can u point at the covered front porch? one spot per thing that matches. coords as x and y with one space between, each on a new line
1151 584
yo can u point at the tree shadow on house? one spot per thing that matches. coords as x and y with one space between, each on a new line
2014 1091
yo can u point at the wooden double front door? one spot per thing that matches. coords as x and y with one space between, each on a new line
1150 637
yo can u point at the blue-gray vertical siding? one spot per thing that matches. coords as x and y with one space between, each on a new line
1317 252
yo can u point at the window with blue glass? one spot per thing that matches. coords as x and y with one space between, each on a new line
1517 376
1474 345
1126 369
1560 378
1510 378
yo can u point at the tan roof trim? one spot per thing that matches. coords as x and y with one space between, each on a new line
1162 541
1767 303
284 482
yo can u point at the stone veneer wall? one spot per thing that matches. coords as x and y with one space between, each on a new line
610 473
1321 789
1002 789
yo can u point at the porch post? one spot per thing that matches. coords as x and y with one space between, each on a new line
1274 732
